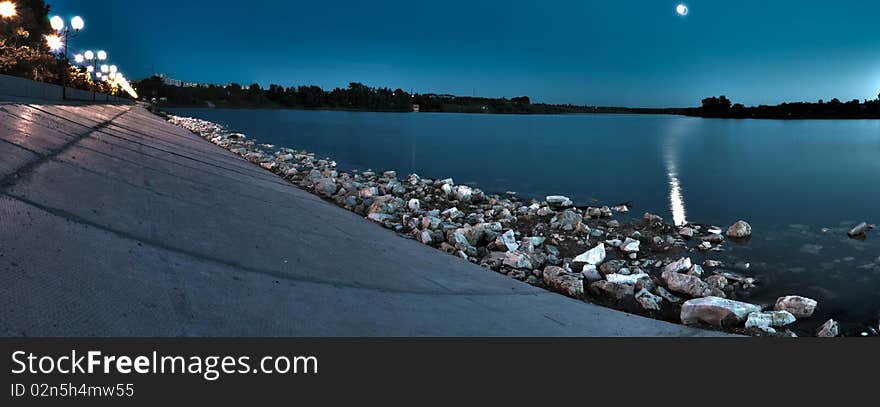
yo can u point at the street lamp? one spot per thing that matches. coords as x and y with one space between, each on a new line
57 42
7 9
93 58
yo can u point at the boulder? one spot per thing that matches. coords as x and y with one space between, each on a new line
679 266
829 329
686 284
385 204
648 301
594 256
800 307
431 222
625 279
611 291
561 281
453 213
858 230
590 273
326 186
424 237
717 281
507 241
740 229
651 220
686 232
493 259
567 220
716 311
517 260
559 201
768 320
463 193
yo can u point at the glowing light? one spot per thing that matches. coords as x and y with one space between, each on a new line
7 9
57 23
90 68
105 68
681 9
676 192
102 55
54 42
78 58
113 69
89 55
123 83
99 75
77 23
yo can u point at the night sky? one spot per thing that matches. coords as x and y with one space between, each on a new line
613 52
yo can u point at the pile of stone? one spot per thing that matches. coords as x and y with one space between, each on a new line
581 252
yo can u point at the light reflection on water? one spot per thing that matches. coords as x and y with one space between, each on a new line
670 158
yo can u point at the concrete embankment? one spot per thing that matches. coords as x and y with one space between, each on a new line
116 223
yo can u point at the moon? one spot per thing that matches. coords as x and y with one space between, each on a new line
681 9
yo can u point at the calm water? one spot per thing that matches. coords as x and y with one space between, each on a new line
789 179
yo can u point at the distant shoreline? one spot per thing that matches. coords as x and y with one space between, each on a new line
599 110
687 112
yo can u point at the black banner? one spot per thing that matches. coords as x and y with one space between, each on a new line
415 371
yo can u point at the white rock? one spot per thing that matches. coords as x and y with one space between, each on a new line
625 279
800 307
508 239
766 321
716 311
559 200
591 273
679 266
453 213
463 193
414 205
447 189
696 270
594 256
829 329
630 246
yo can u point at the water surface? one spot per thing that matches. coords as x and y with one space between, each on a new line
789 179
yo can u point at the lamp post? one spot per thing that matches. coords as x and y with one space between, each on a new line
93 58
58 25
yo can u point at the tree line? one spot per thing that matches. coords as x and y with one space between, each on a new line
356 96
722 107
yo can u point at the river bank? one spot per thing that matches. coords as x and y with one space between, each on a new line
641 265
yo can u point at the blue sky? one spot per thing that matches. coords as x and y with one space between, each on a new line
613 52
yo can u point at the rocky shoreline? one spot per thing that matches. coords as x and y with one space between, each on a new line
643 265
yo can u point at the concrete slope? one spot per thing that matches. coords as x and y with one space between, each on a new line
115 223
